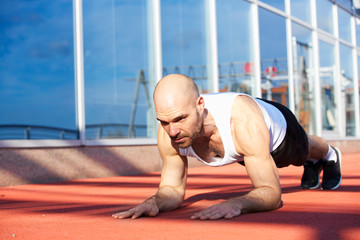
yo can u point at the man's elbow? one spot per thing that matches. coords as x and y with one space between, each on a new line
271 198
276 201
277 204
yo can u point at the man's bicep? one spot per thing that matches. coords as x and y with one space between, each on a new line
255 146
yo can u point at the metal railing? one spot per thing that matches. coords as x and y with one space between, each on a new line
93 131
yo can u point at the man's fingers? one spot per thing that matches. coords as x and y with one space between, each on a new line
203 215
136 215
217 216
122 215
197 215
233 213
216 212
139 212
153 212
210 216
147 208
132 213
143 209
207 213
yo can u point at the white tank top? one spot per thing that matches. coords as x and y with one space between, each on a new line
220 107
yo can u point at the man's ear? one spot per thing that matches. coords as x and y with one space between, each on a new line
200 104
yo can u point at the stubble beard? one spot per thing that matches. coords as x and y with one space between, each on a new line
191 138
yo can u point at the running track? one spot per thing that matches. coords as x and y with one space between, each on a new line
82 209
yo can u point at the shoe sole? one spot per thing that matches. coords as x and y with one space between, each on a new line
338 154
314 187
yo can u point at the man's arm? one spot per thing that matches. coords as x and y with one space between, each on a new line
251 138
171 191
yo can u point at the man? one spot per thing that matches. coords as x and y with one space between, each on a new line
225 128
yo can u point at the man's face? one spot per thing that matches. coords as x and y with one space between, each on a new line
182 122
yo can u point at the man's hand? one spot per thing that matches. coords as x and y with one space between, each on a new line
147 208
227 210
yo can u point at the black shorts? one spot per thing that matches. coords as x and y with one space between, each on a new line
294 149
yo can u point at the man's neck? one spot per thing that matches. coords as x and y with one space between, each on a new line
209 126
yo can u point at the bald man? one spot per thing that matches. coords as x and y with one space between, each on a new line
224 128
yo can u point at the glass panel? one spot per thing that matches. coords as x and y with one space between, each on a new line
358 92
184 40
345 3
117 96
235 46
357 24
327 79
37 70
273 55
303 77
280 4
344 25
324 15
301 10
347 88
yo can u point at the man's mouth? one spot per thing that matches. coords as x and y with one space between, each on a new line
178 139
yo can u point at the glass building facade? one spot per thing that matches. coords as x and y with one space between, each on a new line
79 72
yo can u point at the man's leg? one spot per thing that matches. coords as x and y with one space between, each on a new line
312 152
321 156
318 148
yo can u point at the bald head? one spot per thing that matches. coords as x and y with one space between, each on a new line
179 108
176 88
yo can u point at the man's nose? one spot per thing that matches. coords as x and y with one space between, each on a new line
174 130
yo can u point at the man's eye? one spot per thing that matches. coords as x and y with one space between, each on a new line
179 119
163 123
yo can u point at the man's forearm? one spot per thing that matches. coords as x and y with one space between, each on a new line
168 198
259 200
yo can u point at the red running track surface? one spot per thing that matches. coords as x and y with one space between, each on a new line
82 209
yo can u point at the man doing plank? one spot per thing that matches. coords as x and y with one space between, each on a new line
225 128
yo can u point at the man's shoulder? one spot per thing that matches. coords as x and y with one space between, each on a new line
220 98
221 94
